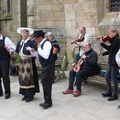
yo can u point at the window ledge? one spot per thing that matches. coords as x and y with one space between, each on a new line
112 14
6 17
110 19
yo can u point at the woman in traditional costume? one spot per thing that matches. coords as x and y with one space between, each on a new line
27 68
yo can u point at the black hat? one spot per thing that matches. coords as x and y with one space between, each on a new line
38 33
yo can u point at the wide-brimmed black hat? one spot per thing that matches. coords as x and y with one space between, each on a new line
38 33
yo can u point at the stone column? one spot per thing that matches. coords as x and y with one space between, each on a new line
70 27
31 13
23 12
16 21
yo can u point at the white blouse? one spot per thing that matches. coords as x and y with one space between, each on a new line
10 46
43 52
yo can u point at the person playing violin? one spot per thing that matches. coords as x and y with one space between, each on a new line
112 72
87 68
83 37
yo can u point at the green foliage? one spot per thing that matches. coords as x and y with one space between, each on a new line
65 60
73 56
17 59
63 52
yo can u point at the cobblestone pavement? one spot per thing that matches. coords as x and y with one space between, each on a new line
89 106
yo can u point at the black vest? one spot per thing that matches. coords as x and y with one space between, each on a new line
46 63
28 44
4 54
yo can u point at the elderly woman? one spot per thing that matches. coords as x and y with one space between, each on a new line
55 45
27 80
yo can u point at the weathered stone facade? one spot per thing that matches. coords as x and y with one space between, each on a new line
62 17
10 20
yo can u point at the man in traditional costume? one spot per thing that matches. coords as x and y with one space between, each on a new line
46 58
6 48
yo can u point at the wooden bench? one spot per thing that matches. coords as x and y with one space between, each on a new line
61 62
60 68
98 78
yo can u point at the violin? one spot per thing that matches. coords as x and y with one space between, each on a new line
77 66
80 39
105 38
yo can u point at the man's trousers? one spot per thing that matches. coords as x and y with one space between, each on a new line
4 74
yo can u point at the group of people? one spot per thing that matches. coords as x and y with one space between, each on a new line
88 62
34 44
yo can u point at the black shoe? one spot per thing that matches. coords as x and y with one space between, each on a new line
41 104
45 105
107 94
24 98
114 97
29 99
119 107
7 96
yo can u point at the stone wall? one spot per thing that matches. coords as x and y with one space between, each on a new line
10 21
47 15
63 18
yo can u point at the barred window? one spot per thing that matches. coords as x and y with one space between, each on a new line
5 7
114 5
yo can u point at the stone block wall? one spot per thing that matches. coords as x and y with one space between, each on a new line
10 21
63 18
48 15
